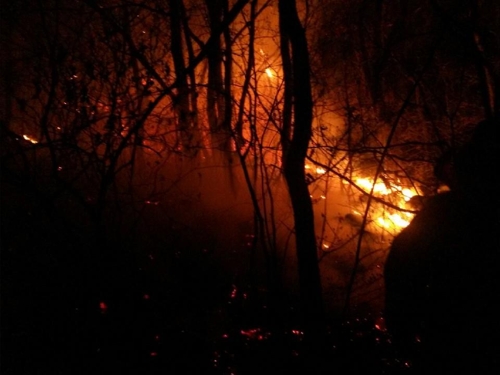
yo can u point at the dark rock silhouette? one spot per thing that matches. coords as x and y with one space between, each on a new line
442 273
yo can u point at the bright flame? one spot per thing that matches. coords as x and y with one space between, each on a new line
383 188
367 185
383 216
393 220
30 139
320 170
317 170
399 196
270 73
407 194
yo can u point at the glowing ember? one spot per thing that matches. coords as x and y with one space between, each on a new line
234 291
254 334
103 307
380 324
30 139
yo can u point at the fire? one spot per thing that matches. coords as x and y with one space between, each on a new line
317 170
386 188
392 220
30 139
398 195
320 170
270 73
386 218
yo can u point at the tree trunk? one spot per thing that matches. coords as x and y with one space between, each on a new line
215 87
293 163
182 100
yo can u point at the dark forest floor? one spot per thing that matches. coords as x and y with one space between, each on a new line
53 322
70 306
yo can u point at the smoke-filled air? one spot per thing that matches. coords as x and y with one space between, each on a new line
215 186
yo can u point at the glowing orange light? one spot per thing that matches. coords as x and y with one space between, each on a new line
320 170
367 184
30 139
399 196
407 194
270 73
317 170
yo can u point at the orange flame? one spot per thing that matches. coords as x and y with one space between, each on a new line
30 139
385 219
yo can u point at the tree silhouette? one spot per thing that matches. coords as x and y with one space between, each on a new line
278 140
